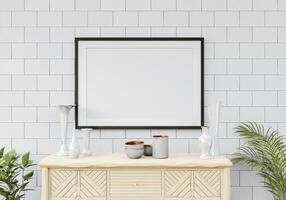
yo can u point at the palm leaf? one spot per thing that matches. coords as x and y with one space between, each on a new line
265 151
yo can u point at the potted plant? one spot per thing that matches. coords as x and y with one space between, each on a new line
265 151
14 176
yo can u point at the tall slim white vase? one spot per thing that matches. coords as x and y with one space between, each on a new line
214 115
86 142
64 111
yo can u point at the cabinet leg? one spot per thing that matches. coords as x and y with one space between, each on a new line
45 184
226 184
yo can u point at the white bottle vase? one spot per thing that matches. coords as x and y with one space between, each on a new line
74 148
205 141
86 142
214 115
64 114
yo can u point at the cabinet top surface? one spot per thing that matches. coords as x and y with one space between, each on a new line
121 160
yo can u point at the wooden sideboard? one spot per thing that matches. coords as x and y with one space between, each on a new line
115 177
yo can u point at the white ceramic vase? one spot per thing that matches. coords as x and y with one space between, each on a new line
86 142
205 141
214 115
74 148
64 114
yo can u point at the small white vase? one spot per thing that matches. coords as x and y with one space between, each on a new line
205 141
74 148
86 142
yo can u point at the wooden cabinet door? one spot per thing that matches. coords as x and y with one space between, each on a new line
63 184
92 185
177 184
207 184
192 184
77 184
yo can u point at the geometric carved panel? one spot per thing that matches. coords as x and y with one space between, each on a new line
177 184
63 184
77 185
207 184
92 184
193 185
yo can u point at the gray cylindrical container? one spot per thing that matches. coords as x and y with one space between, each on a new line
160 146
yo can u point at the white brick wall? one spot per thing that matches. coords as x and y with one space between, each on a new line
245 68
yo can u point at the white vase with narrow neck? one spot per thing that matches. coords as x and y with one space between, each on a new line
86 142
214 116
74 148
205 141
64 111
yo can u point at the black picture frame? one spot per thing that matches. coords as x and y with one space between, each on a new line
78 39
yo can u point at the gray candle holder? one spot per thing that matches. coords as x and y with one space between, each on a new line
160 146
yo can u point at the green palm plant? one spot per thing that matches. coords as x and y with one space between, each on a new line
13 176
265 151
